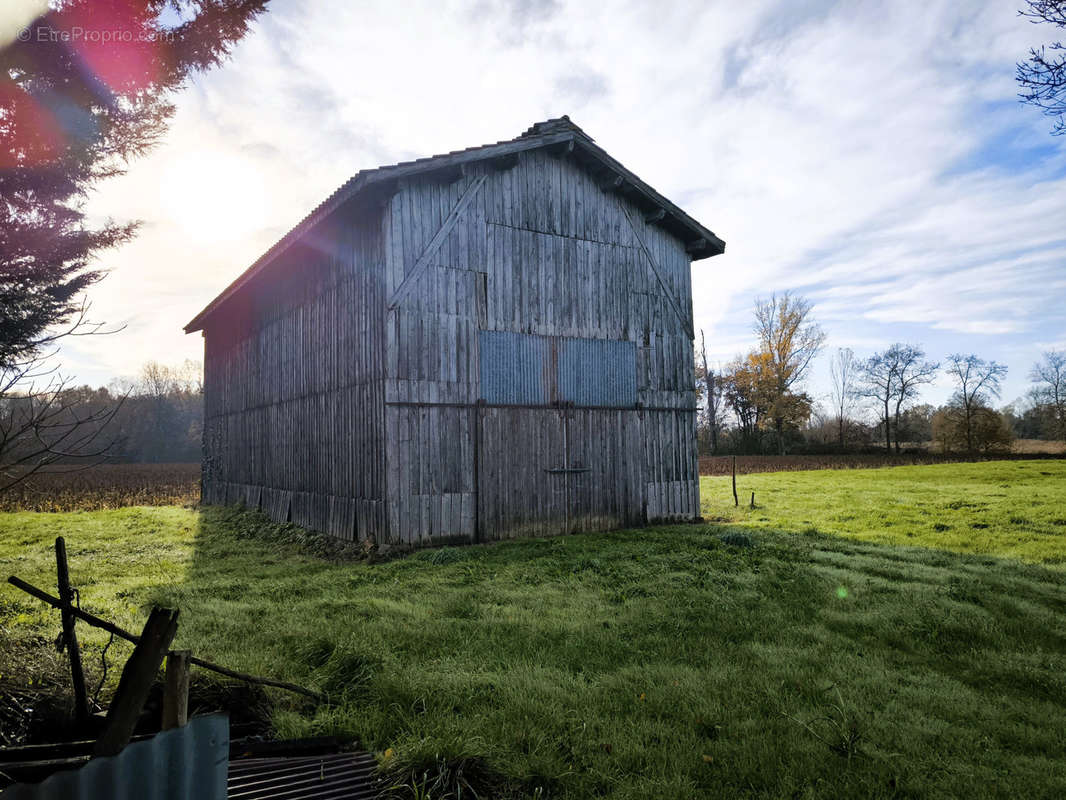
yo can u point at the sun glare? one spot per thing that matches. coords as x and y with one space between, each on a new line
213 197
15 15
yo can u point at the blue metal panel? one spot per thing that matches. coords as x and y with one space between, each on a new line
189 762
515 368
597 372
522 369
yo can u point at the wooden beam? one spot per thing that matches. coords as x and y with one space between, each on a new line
655 216
505 162
685 325
564 150
449 174
176 690
435 243
70 637
137 678
696 246
613 184
378 195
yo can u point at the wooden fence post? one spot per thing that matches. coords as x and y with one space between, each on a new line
176 690
110 627
137 678
70 637
736 501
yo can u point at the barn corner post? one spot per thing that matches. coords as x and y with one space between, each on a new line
485 344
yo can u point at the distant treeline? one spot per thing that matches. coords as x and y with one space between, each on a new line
757 404
160 419
153 418
922 427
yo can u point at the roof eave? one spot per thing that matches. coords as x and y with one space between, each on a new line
702 243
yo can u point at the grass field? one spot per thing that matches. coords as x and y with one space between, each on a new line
998 508
105 486
826 644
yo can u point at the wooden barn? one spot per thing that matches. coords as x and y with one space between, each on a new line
491 343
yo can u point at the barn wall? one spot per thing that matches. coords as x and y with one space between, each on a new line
539 250
294 385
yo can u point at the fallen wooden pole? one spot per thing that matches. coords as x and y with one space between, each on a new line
70 637
81 614
243 676
103 624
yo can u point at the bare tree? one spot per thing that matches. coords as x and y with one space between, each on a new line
712 397
45 425
912 372
789 339
1043 77
877 382
893 379
977 381
1049 375
843 369
159 380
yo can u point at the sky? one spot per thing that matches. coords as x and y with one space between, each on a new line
872 157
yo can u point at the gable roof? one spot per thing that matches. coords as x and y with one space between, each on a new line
553 133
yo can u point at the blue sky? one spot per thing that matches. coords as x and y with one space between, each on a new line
871 156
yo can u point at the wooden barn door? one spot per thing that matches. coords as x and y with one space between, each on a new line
543 472
519 492
559 437
605 458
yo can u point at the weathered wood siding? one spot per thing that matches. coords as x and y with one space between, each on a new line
344 388
537 249
294 386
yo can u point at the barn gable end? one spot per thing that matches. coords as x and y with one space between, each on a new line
500 347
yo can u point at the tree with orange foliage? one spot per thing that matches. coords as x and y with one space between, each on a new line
789 340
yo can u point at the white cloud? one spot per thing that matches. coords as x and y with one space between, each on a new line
864 153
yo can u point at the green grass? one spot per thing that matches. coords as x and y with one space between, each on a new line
999 508
746 658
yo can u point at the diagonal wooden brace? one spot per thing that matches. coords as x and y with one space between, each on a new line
686 326
435 243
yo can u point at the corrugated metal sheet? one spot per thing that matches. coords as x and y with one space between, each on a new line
523 369
516 368
338 776
597 372
189 762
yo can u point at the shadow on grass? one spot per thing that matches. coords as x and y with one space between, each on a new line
663 662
